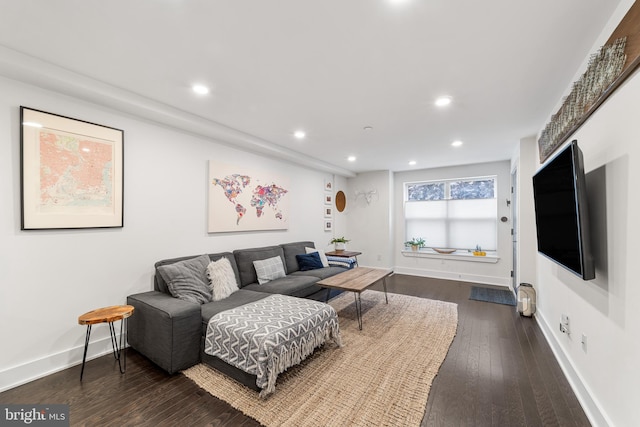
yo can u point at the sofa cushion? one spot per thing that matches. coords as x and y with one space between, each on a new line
323 257
245 257
269 269
293 285
160 285
309 261
187 279
321 273
241 297
222 279
290 251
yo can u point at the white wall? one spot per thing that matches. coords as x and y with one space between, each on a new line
369 224
524 162
49 278
604 373
465 270
605 309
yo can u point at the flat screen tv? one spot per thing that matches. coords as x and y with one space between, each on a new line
562 219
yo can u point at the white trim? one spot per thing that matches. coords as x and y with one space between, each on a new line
472 278
457 256
28 69
592 409
39 368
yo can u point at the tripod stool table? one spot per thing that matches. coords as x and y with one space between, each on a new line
107 315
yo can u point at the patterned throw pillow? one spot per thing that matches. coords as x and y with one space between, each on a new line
269 269
323 257
222 278
187 279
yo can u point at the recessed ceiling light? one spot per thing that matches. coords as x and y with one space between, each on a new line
456 143
200 89
299 134
412 163
368 128
351 158
443 101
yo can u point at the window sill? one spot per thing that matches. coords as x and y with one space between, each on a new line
491 257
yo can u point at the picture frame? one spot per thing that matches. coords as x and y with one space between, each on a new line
328 225
243 198
71 173
328 212
328 185
328 199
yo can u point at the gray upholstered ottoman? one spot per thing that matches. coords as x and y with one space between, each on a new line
266 337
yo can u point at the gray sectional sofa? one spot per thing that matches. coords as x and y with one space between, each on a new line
170 331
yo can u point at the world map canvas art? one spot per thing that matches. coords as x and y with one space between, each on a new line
242 199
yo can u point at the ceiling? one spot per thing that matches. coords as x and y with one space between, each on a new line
328 67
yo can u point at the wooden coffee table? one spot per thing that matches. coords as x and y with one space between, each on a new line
357 280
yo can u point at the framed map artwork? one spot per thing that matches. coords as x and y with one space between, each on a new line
71 172
245 199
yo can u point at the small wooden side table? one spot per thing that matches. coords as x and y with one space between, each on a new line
107 315
345 254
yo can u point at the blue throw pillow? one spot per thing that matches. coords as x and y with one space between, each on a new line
309 261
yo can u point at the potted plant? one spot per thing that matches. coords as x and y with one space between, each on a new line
340 243
415 243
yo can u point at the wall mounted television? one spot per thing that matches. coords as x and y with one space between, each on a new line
562 218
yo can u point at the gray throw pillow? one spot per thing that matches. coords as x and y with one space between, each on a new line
187 279
269 269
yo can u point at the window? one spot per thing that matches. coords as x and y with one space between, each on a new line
459 213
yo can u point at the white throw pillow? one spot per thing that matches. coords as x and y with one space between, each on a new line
269 269
323 257
222 279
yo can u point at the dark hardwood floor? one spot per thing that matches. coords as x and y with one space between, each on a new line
499 372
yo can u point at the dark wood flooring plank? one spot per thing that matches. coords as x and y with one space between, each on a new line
480 337
511 382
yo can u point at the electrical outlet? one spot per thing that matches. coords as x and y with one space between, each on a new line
564 324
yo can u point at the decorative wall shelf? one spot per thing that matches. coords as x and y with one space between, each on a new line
628 28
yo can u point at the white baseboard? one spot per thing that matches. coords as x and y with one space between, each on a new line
596 416
38 368
473 278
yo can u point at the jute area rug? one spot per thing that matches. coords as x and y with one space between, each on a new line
380 377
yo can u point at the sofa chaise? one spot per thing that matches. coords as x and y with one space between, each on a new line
171 331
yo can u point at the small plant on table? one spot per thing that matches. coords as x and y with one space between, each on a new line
340 243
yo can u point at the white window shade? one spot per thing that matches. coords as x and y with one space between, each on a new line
422 210
472 208
460 224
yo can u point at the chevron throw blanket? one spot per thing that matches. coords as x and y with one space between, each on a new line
266 337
